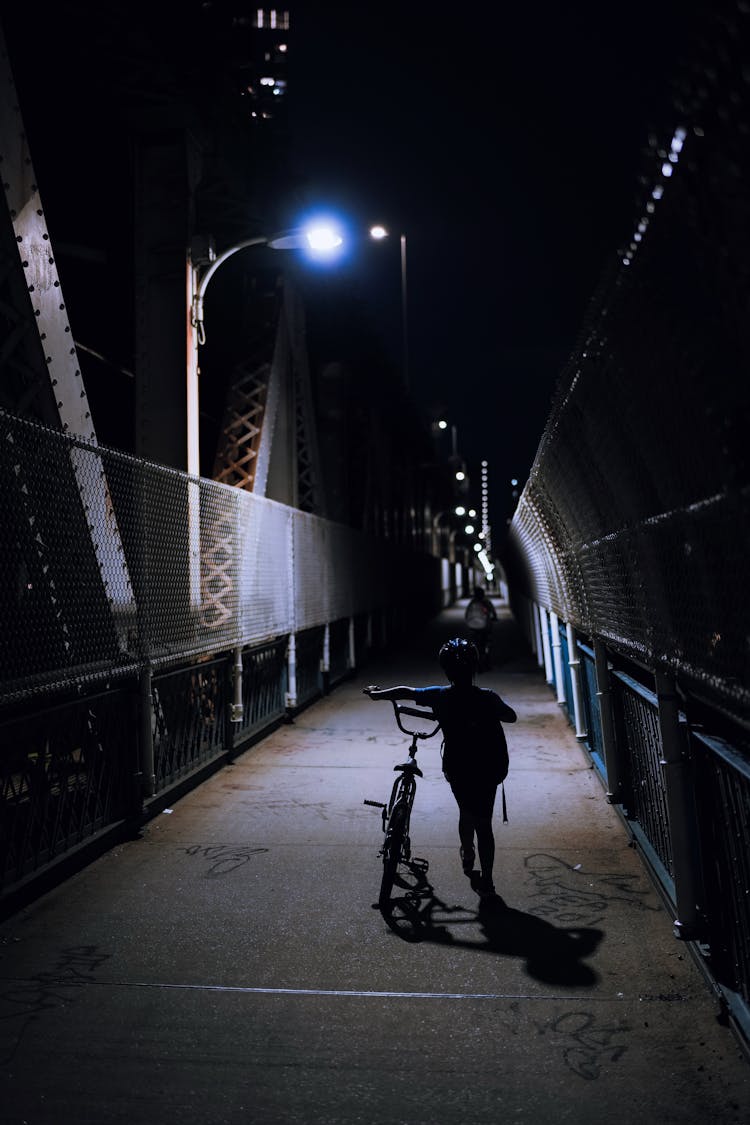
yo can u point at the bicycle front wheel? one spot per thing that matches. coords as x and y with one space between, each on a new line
393 848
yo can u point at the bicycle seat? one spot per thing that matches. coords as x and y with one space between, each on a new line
412 766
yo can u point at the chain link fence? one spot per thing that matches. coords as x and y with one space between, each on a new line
109 563
634 523
154 624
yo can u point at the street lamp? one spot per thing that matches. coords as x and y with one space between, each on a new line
320 239
378 233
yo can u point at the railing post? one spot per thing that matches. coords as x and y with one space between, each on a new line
325 657
148 780
352 645
291 664
537 633
557 658
681 810
236 708
575 681
549 671
612 762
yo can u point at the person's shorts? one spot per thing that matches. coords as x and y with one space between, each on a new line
476 798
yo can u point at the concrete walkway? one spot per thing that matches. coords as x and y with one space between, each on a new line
229 966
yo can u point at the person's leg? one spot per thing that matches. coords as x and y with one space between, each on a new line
486 849
466 827
482 809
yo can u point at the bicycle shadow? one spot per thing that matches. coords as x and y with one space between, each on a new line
552 954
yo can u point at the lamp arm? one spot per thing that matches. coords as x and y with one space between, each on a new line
200 292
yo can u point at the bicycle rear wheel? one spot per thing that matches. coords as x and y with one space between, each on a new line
393 848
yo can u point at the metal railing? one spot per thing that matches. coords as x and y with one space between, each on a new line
153 633
688 810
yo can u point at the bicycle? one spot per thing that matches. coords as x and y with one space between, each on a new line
396 813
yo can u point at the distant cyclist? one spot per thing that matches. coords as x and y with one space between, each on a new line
475 756
479 617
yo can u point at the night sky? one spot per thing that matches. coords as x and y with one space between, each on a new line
504 142
506 145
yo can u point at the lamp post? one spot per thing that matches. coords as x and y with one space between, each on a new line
378 233
320 239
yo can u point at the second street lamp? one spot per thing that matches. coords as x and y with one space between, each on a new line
379 232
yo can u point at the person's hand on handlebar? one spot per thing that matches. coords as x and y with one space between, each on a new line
390 693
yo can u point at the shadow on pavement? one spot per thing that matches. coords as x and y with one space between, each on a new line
552 954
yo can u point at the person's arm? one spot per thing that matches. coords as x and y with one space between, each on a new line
506 713
402 692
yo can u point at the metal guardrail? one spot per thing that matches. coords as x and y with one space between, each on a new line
67 772
723 806
710 801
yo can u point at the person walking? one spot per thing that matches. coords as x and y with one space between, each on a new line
479 617
475 753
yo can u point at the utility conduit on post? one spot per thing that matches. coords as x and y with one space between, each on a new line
575 679
675 763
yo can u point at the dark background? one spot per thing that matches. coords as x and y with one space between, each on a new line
504 142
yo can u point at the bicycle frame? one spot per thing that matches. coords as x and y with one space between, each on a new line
396 814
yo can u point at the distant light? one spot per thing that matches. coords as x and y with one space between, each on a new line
282 47
514 482
460 475
268 81
460 511
442 424
477 547
658 192
378 232
469 529
678 140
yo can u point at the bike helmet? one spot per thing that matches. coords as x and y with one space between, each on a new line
458 658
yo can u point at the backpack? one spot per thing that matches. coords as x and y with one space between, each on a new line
477 616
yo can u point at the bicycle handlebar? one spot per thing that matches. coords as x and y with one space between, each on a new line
399 709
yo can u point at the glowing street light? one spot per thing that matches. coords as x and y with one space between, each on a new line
319 238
